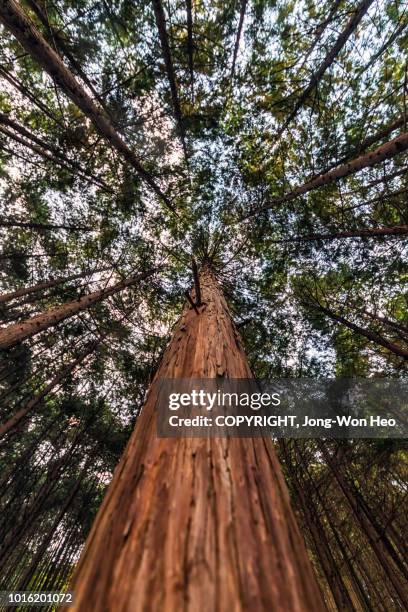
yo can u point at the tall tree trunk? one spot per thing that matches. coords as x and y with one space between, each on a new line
44 226
196 524
57 156
25 329
238 36
372 336
190 44
385 151
364 232
15 20
343 37
12 295
171 75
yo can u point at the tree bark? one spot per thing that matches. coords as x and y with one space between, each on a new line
196 524
17 22
369 232
12 295
25 329
385 151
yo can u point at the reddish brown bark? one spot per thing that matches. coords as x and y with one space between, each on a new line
25 329
15 20
385 151
196 524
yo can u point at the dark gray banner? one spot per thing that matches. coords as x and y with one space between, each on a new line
283 408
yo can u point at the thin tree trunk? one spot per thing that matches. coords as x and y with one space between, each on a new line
15 20
371 232
28 94
372 336
25 329
385 151
327 62
18 416
319 539
190 44
383 179
52 157
45 226
385 321
42 148
58 38
238 37
12 295
370 140
171 76
377 543
359 148
196 524
28 516
37 558
321 29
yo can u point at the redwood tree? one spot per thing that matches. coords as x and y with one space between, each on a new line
217 509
